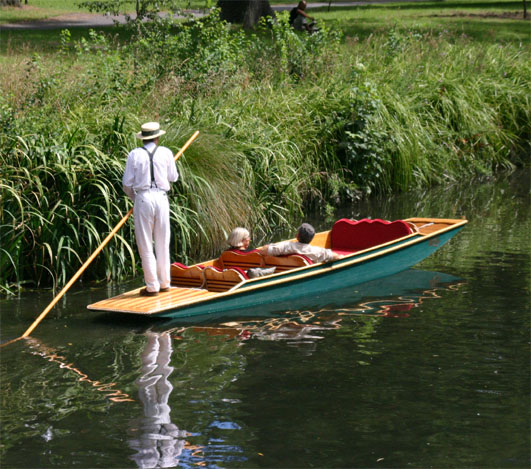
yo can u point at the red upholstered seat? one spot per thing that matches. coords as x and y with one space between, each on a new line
349 236
240 271
182 266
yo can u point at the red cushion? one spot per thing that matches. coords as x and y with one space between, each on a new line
182 266
342 252
349 235
241 271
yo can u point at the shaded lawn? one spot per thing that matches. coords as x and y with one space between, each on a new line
26 42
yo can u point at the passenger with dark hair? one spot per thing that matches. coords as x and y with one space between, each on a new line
298 18
305 234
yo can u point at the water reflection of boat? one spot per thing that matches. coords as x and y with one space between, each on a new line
158 442
372 249
393 296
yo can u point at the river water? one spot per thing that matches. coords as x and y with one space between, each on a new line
427 368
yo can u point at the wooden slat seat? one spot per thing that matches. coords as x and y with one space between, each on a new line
283 263
188 277
242 260
219 280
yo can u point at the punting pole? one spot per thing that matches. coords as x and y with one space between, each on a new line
91 258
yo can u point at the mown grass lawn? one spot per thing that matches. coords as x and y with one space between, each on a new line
485 21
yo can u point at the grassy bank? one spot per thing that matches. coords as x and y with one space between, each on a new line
289 123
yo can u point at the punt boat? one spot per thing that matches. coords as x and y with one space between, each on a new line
371 249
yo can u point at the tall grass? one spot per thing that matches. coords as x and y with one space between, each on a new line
289 123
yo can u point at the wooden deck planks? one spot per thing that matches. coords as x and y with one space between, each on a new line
427 226
132 302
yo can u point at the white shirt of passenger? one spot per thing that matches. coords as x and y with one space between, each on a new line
137 176
315 253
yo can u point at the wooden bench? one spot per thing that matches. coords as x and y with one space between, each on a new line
254 259
188 277
241 260
219 280
282 263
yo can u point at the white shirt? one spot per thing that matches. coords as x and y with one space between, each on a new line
137 176
315 253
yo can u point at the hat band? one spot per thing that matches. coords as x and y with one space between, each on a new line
149 133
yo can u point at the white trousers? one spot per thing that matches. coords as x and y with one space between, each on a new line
152 224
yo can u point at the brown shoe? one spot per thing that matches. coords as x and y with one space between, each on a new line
164 289
144 292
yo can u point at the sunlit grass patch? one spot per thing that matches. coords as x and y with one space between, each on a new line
482 20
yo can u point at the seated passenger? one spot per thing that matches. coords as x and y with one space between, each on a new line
239 240
305 234
298 18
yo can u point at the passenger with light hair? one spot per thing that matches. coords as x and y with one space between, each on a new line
239 240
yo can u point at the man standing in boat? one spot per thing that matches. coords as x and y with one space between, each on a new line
305 234
148 173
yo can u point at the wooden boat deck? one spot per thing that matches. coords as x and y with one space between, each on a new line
427 226
132 302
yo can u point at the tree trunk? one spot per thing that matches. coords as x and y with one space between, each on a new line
247 12
525 9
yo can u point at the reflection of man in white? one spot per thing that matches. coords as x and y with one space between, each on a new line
160 442
148 173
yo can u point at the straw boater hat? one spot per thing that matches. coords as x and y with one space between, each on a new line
150 130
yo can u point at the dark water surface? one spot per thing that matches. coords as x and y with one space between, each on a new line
427 368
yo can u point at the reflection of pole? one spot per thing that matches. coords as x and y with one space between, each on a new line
158 442
51 355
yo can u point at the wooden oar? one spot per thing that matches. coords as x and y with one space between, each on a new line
91 258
